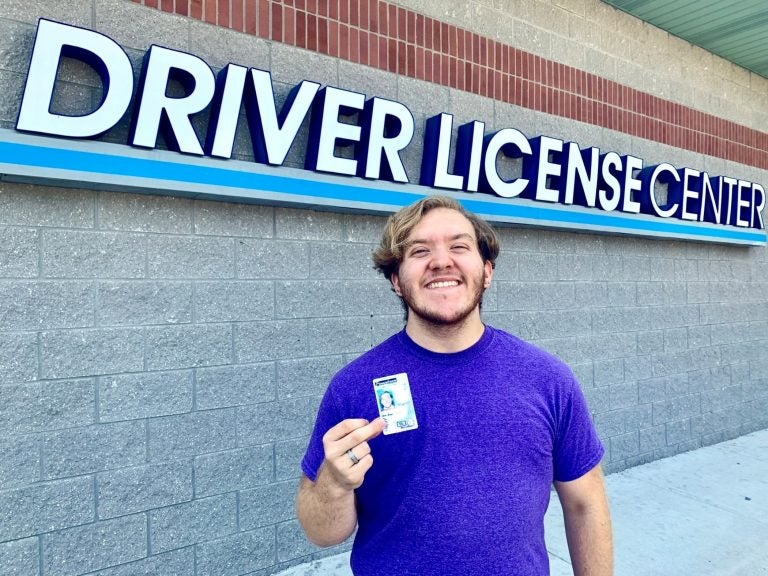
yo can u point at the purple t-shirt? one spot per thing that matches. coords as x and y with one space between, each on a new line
465 493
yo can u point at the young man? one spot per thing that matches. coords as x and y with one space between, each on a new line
497 421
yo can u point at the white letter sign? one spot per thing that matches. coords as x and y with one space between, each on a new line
54 41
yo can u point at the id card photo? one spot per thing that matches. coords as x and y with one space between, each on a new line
393 398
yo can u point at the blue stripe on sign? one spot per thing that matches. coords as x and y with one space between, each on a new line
606 220
163 170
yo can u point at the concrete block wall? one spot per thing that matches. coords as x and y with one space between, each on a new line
158 388
161 359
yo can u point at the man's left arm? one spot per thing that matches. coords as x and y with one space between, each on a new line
587 524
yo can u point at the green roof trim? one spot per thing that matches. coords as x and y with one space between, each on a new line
736 30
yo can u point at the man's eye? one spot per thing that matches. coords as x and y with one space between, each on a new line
460 247
419 252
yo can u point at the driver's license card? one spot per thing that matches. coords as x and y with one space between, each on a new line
393 397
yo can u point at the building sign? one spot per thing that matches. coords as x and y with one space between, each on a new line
353 151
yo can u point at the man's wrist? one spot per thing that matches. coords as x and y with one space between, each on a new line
330 488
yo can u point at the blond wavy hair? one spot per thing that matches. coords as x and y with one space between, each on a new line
389 254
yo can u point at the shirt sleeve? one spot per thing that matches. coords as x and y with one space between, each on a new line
327 417
578 448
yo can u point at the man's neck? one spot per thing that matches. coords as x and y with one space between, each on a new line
445 338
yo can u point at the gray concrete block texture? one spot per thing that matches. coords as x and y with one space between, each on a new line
162 359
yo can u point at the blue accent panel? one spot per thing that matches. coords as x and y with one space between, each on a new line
315 126
759 200
531 170
609 180
588 156
429 157
83 55
463 158
113 165
709 210
730 197
288 104
179 75
253 115
92 60
139 96
675 196
743 213
694 204
188 83
674 190
213 123
510 151
365 137
484 185
392 128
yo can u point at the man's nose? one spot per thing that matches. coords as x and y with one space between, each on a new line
441 258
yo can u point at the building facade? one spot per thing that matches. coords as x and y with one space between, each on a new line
164 350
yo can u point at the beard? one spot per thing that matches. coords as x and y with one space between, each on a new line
438 315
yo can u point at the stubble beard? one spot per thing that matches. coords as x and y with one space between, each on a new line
441 318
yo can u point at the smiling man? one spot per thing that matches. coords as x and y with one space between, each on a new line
461 485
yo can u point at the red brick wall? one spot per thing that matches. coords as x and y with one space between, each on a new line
382 35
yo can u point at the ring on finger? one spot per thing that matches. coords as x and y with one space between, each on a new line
352 457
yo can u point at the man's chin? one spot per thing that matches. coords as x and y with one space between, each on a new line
441 318
437 314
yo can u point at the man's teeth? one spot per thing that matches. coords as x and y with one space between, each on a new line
443 284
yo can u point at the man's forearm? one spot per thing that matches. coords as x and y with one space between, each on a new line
587 524
326 512
590 542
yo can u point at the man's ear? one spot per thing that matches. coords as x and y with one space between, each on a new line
487 273
395 280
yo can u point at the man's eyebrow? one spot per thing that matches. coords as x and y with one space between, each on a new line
461 235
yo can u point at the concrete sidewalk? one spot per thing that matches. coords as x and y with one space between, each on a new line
702 513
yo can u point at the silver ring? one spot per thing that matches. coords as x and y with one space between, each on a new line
352 457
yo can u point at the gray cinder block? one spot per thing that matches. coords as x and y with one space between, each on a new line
86 254
31 305
130 396
20 557
263 341
190 257
70 353
274 421
132 303
44 507
272 259
18 357
239 384
233 470
144 213
267 505
192 522
234 301
174 563
306 376
188 346
128 490
238 554
88 449
19 462
95 546
39 406
18 252
191 434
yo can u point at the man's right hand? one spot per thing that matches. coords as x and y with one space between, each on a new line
352 434
326 507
